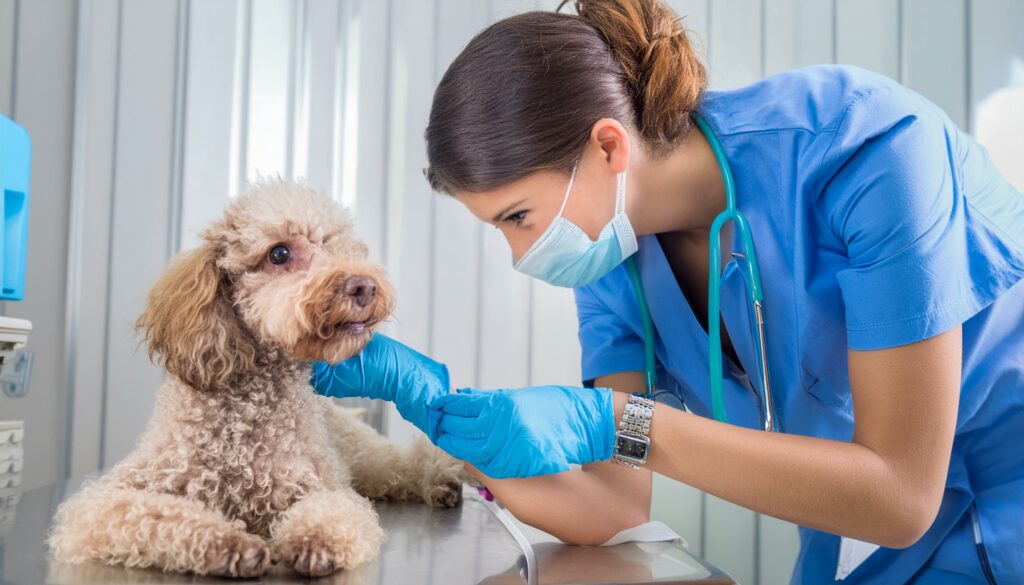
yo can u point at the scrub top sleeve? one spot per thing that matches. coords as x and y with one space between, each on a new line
914 269
608 344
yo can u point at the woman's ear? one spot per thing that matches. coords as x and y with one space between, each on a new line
613 140
190 326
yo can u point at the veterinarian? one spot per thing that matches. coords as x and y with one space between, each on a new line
889 252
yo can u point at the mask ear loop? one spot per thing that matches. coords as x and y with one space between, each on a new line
620 193
568 190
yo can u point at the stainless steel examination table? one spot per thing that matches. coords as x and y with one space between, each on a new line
476 542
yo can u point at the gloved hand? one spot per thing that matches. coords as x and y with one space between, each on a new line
527 432
387 370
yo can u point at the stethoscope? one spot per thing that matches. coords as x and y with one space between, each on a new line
756 296
752 285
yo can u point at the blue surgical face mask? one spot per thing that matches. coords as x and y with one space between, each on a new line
565 256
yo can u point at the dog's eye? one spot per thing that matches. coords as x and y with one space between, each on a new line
279 254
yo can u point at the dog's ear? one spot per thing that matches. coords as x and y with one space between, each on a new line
190 326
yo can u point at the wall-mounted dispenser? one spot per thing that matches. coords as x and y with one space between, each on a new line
15 169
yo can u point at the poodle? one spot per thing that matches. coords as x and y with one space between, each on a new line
242 466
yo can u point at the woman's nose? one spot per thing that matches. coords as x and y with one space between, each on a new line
361 289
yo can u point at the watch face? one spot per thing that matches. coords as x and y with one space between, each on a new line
631 447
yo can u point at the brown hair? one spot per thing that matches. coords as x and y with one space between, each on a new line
526 91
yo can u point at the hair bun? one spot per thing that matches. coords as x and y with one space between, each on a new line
662 73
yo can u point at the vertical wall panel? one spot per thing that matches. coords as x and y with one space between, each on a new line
269 109
781 35
505 8
867 35
937 70
734 43
410 201
142 198
363 101
504 334
778 543
554 345
816 29
238 153
8 50
681 507
694 15
996 78
321 68
456 290
43 103
212 39
730 538
797 33
89 233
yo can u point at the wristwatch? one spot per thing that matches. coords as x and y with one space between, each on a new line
632 443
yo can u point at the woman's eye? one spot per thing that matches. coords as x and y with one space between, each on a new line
279 254
516 218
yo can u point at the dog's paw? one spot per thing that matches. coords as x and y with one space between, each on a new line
238 554
315 559
445 495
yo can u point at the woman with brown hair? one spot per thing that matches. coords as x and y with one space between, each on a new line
890 310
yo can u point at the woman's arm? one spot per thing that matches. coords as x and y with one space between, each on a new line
582 506
883 487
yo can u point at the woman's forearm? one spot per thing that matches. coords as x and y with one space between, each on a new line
837 487
884 486
582 506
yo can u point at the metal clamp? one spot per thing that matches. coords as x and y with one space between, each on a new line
15 373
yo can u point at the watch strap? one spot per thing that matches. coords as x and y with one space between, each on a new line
637 415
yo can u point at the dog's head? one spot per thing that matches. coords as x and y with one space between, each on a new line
281 271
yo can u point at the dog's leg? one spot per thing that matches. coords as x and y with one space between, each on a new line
326 532
144 529
381 470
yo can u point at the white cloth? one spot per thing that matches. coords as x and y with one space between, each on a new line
852 553
653 531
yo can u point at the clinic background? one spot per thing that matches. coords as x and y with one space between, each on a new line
147 116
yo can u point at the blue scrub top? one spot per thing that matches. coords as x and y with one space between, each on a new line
877 223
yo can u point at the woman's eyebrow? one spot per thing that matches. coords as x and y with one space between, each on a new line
505 211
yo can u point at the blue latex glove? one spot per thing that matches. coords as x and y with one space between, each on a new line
387 370
527 432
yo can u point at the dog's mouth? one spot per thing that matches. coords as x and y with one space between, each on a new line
352 327
349 327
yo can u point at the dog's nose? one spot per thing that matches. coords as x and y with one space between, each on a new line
361 289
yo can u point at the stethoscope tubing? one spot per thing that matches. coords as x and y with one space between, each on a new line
754 291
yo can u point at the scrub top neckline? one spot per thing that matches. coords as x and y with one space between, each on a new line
658 263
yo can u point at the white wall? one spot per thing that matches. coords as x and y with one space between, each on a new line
147 116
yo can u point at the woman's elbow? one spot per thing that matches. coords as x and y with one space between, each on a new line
602 533
909 523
